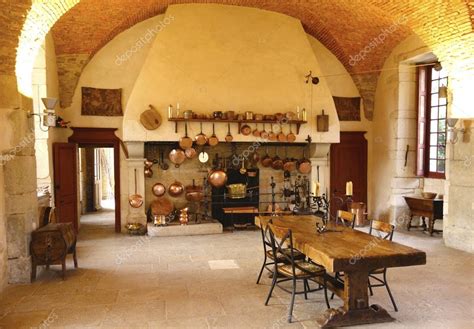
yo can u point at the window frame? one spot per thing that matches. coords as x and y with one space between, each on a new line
423 168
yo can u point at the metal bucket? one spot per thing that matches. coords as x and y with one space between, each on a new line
237 191
359 209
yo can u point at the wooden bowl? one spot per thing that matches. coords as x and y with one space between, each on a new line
428 195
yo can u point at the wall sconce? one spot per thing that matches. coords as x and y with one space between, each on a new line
49 117
452 131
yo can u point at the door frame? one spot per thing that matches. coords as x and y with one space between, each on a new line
102 137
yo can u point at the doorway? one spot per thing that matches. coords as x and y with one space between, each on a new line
348 163
96 188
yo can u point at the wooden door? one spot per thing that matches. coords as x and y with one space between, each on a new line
65 182
348 163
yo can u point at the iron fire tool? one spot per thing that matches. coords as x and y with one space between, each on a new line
272 185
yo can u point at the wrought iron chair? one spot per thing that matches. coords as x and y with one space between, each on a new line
345 218
293 269
269 257
384 231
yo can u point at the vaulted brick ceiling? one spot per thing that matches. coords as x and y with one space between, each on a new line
343 26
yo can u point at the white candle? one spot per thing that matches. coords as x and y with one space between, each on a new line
170 111
349 188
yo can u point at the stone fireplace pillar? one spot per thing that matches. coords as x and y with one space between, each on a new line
319 159
135 167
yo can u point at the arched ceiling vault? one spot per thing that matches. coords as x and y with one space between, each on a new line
345 27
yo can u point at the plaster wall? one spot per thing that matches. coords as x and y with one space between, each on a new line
214 57
341 84
116 66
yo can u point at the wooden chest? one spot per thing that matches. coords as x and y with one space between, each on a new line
50 245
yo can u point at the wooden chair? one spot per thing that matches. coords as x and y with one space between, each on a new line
345 218
293 269
384 231
269 257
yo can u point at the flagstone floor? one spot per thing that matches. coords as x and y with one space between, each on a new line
209 282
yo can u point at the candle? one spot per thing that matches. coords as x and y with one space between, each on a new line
298 112
170 111
349 188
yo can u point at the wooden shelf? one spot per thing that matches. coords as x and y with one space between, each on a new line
298 123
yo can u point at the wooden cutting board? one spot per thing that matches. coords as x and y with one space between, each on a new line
150 119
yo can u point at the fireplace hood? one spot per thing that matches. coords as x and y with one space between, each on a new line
210 57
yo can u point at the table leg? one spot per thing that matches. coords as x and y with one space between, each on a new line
356 309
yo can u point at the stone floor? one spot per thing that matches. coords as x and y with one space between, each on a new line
209 282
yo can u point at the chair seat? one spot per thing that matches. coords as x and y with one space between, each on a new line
313 269
378 271
296 254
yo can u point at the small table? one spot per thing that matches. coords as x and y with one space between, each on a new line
430 208
337 252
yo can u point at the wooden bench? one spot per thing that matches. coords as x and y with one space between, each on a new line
50 245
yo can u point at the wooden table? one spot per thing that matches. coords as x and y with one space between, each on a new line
356 254
431 208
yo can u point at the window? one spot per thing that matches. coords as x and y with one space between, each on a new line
432 110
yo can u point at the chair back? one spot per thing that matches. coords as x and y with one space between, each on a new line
267 243
381 229
278 245
345 218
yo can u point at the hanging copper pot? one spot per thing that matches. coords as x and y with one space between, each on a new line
190 153
186 141
245 130
277 163
148 172
213 140
177 156
201 138
175 189
304 165
266 160
158 189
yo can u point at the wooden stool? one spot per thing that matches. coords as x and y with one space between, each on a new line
50 245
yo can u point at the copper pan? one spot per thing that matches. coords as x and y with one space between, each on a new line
266 160
201 138
135 200
213 140
190 153
175 189
177 157
158 189
186 141
277 163
304 165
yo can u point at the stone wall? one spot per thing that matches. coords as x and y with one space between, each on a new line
3 236
458 228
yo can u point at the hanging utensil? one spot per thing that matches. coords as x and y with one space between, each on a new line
288 164
190 153
175 189
281 136
163 164
245 130
201 138
186 141
304 165
150 119
266 160
177 157
277 163
242 169
148 172
217 177
213 140
135 200
271 135
263 133
256 132
158 189
203 156
228 137
291 137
